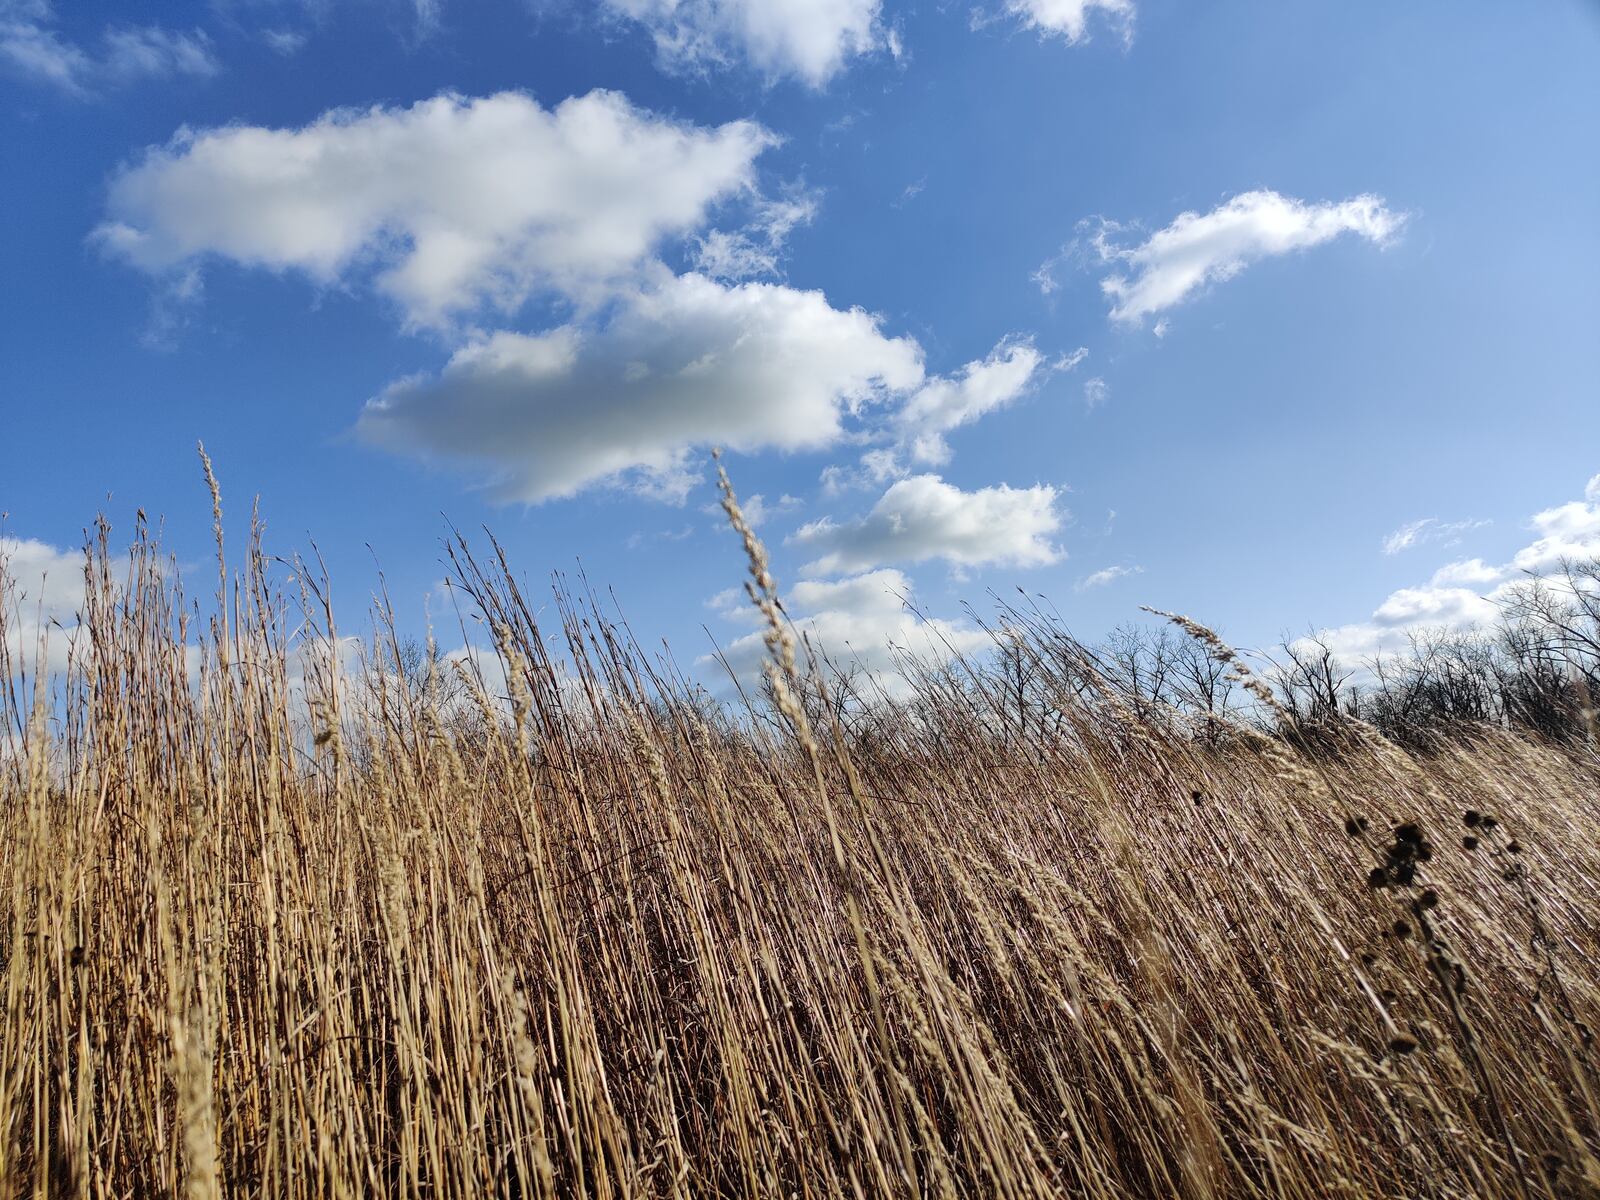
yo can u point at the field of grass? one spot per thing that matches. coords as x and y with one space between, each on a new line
265 931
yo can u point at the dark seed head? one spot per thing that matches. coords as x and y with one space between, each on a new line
1195 795
1428 899
1474 818
1469 842
1352 826
1401 929
1404 874
1402 1044
1514 847
1409 832
1488 822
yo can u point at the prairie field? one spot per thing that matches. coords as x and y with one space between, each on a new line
1133 735
280 920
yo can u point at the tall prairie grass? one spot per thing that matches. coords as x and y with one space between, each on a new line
277 922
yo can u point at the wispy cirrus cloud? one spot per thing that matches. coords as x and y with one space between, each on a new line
1105 577
756 250
32 46
1428 530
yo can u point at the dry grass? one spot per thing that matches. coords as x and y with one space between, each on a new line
605 940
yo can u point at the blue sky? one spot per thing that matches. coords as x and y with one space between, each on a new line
1123 302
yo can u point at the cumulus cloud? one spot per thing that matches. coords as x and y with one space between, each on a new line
1069 19
41 590
1568 531
1096 392
864 621
1105 576
30 46
1467 573
1448 607
810 40
454 202
687 364
1198 249
950 402
1428 529
1466 594
924 518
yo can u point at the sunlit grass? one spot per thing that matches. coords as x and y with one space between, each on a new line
277 926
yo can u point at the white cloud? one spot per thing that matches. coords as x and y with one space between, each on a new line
1070 18
1591 491
810 40
862 621
688 364
1465 594
735 255
1096 392
1466 573
757 509
916 431
1566 531
756 250
286 42
1199 249
1045 276
32 48
1105 576
1447 607
46 586
1428 529
924 517
681 534
949 402
429 13
456 202
155 53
